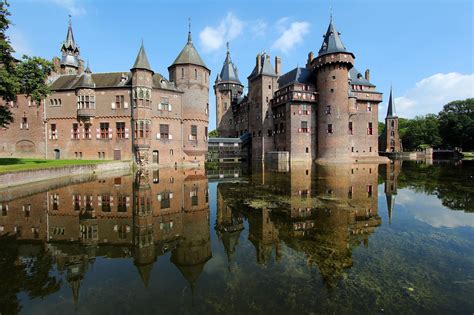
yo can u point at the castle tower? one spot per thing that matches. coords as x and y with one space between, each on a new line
262 84
391 185
191 75
85 90
227 89
332 69
142 82
70 60
390 139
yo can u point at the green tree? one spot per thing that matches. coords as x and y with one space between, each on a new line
381 127
456 124
213 134
26 77
421 132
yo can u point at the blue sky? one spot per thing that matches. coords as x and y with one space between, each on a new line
424 48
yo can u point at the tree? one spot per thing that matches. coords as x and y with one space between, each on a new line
456 124
27 76
421 132
213 134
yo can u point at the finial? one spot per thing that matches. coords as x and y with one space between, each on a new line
70 23
142 41
330 13
189 30
228 49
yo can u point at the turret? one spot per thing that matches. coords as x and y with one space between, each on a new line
331 68
228 90
142 82
70 61
191 75
85 92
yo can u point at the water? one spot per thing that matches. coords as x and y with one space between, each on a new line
395 238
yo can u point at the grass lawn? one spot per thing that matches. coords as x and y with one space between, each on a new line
17 164
468 155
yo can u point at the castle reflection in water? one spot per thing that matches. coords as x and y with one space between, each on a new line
321 211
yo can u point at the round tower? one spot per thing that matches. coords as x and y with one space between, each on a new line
227 89
191 75
142 82
331 68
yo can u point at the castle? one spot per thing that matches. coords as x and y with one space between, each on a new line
129 115
326 111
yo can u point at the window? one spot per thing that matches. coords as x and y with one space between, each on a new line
332 90
195 74
392 133
87 131
330 130
165 104
75 131
269 87
171 152
105 203
55 102
351 130
350 192
304 126
120 126
164 131
104 130
194 196
370 130
119 101
165 201
392 124
307 150
122 203
193 135
304 109
328 109
85 101
24 123
334 77
54 132
369 191
156 176
182 73
369 107
352 149
206 136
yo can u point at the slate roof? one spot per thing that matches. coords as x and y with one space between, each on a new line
266 67
332 42
189 55
85 80
108 80
297 75
229 70
142 60
391 106
357 78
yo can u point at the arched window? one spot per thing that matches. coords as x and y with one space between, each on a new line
182 73
195 74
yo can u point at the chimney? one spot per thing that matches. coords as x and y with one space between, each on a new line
310 59
259 62
367 75
277 65
56 64
81 67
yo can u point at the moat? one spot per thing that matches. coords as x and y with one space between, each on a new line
358 238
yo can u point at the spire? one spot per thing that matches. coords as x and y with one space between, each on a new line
88 69
190 39
390 205
229 71
332 42
142 60
391 106
70 44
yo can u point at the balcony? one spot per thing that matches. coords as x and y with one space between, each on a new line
86 113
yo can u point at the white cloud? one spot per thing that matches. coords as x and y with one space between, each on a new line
213 38
431 93
74 7
19 43
291 36
259 28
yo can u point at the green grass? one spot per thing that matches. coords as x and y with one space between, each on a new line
468 155
18 164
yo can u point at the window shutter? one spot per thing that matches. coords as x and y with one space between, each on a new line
299 112
169 106
113 105
170 137
309 112
158 135
125 105
110 135
99 201
171 195
190 137
160 107
300 130
159 197
98 133
72 134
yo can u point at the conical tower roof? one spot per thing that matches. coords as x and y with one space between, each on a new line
142 60
145 273
70 44
390 205
229 71
332 42
86 80
189 55
391 106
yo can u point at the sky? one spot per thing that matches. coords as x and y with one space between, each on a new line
423 48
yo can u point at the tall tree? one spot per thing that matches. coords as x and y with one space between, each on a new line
420 132
456 124
26 77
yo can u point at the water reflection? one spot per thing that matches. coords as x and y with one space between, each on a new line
52 236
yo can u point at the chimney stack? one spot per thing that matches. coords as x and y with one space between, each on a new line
277 65
310 59
259 62
367 75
